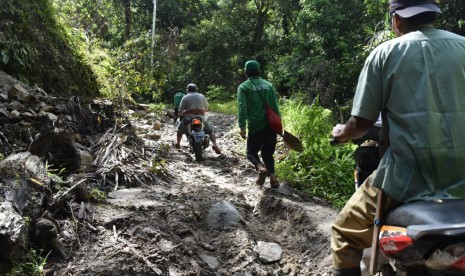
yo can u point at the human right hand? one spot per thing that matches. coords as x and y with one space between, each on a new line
338 133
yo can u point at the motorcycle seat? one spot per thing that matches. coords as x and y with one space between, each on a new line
448 211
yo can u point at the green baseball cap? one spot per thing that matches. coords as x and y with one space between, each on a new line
252 66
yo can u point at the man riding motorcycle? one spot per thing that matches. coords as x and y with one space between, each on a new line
192 105
417 82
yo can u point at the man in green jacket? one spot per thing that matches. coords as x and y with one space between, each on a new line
177 100
251 113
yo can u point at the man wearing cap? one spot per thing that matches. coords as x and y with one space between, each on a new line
417 82
177 100
251 115
192 105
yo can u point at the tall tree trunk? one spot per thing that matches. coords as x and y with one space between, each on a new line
128 19
262 16
154 19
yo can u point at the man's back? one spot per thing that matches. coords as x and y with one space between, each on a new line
177 98
423 84
251 94
193 101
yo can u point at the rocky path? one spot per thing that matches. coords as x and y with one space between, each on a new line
176 229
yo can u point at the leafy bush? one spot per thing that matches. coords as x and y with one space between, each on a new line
219 94
321 170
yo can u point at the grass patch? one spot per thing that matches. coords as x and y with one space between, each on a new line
32 265
227 107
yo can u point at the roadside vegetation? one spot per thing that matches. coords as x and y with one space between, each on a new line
321 170
224 107
33 264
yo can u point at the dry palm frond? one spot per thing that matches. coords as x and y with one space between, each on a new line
119 154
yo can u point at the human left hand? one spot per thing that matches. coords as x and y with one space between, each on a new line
243 133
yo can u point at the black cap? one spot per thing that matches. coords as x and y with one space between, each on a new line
191 87
409 8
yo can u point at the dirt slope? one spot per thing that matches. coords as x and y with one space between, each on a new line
162 229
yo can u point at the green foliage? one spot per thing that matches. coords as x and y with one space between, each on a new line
133 74
39 51
54 172
452 16
224 107
32 265
219 94
183 13
157 108
159 165
97 195
321 170
206 59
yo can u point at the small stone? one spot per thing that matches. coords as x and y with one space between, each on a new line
268 252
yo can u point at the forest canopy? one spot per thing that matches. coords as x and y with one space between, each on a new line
146 49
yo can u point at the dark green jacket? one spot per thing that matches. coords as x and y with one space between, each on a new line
177 98
250 107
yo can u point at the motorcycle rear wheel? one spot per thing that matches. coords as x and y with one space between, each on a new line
198 151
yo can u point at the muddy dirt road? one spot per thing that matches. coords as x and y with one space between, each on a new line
170 229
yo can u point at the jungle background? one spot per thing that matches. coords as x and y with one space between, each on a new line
143 50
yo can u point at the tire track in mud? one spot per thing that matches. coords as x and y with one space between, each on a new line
297 223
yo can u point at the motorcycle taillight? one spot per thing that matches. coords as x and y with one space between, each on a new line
393 240
196 121
451 258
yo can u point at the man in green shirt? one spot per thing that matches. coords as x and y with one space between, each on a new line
251 112
417 81
177 100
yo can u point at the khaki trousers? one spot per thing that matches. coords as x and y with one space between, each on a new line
352 230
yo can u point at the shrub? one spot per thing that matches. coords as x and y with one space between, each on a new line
321 170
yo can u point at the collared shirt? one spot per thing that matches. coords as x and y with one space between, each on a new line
250 106
193 101
419 78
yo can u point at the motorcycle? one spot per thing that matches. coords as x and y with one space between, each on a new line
198 139
423 238
418 238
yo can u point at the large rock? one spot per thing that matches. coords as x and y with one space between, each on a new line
46 235
13 232
59 148
222 215
28 161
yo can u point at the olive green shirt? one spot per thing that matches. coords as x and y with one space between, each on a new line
419 78
250 107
